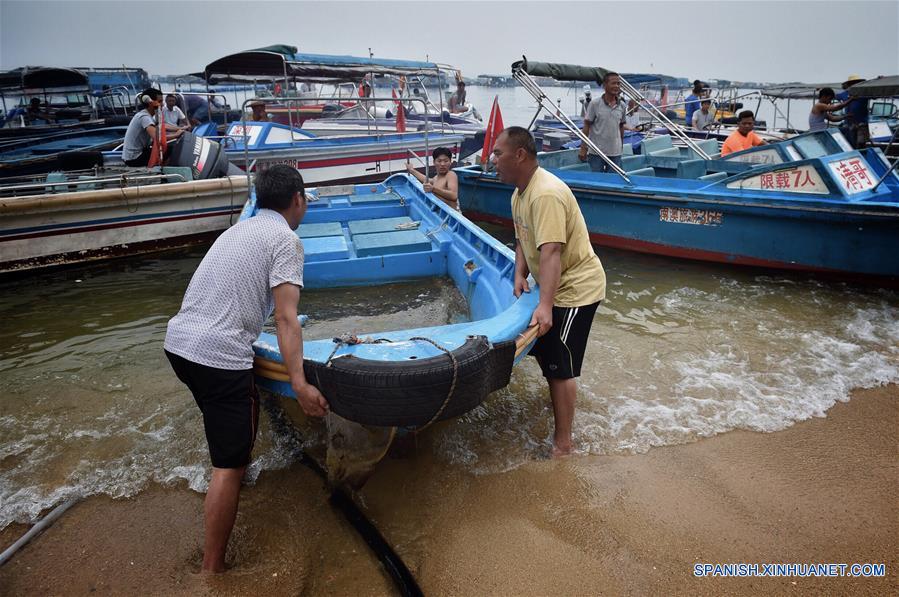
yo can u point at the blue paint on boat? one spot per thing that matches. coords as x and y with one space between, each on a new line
367 234
805 204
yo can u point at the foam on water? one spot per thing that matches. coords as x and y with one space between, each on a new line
677 353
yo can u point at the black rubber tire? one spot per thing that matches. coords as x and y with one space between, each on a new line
410 393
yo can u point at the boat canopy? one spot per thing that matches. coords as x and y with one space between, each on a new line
49 78
276 63
797 90
573 72
881 87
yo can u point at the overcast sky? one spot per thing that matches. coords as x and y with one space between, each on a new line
810 41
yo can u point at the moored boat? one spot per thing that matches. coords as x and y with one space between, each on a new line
88 215
808 203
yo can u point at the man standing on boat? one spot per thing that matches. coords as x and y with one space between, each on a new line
253 267
604 125
552 244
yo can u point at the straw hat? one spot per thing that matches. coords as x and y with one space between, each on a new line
587 90
852 79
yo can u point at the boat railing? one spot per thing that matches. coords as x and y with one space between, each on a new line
293 139
91 183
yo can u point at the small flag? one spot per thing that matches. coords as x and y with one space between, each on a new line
400 115
494 128
160 144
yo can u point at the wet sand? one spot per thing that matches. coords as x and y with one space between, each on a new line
822 491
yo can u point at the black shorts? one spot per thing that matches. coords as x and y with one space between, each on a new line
560 352
142 160
230 407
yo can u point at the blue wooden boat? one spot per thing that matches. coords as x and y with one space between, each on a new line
797 205
808 203
71 150
391 232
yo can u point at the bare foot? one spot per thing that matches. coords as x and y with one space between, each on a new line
562 451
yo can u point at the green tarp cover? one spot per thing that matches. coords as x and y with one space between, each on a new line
277 49
560 72
797 90
882 87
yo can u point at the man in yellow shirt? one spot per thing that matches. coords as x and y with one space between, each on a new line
743 137
552 244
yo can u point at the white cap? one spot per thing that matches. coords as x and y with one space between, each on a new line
586 89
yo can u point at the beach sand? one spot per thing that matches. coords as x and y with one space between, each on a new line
822 491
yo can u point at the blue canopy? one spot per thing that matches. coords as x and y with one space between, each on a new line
266 64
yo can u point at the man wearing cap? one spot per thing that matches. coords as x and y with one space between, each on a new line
855 125
586 101
259 113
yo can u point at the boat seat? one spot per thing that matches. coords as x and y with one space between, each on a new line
633 162
377 225
710 146
317 230
387 243
367 199
627 149
325 248
691 169
714 176
653 145
642 172
582 166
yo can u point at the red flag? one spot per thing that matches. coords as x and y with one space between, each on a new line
400 115
494 128
160 144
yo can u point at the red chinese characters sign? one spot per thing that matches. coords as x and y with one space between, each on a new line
802 179
853 174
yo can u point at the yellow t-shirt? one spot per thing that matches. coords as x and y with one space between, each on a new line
547 212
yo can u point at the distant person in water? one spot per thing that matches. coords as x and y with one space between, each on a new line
457 100
823 110
744 137
446 184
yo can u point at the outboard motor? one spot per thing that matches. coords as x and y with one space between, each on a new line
206 158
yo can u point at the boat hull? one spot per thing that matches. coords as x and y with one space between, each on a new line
77 227
848 241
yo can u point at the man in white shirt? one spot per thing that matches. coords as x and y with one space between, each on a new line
174 118
703 117
254 267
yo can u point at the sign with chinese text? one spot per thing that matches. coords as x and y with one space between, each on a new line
684 215
853 174
802 179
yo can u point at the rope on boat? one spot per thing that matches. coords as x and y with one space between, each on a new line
452 385
353 340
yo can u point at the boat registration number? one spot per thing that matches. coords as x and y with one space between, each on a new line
684 215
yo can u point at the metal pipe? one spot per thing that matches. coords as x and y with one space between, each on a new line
675 129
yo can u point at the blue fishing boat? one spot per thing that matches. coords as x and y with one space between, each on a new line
70 150
391 232
809 203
